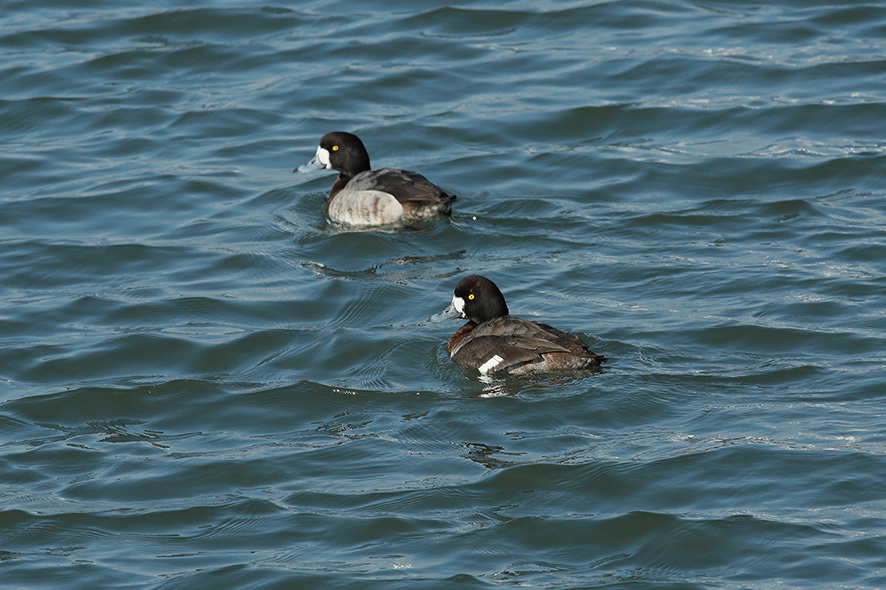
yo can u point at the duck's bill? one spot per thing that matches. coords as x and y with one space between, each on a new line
312 166
447 314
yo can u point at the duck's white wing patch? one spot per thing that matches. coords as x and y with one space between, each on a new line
489 366
365 207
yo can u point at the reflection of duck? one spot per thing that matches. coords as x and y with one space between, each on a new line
494 341
362 196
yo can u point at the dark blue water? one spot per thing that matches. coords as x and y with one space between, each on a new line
206 384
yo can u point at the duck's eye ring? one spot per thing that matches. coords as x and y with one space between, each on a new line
335 148
471 296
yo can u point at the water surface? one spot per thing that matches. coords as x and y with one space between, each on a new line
205 383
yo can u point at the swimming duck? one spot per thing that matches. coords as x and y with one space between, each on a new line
494 341
362 196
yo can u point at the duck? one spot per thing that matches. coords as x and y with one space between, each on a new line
363 196
494 341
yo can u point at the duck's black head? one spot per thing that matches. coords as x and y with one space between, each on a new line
476 298
339 150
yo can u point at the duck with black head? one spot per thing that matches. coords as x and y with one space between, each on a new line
494 341
362 196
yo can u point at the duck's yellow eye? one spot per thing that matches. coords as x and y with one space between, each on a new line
471 296
335 148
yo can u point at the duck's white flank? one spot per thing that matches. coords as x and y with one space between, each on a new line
366 207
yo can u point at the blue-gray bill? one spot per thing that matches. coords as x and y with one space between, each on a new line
447 314
312 165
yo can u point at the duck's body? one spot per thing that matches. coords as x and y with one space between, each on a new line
385 196
362 196
494 341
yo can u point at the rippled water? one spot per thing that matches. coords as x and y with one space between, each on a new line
204 383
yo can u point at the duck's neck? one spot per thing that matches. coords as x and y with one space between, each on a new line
460 335
340 183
